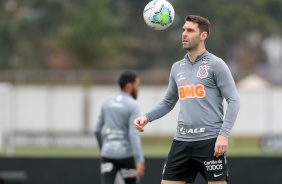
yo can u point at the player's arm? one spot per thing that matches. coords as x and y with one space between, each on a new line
226 84
135 142
98 128
164 107
167 103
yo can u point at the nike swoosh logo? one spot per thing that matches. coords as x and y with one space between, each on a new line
217 175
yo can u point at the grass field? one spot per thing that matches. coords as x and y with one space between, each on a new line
152 147
243 146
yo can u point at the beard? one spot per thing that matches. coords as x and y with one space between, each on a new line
191 47
193 44
134 94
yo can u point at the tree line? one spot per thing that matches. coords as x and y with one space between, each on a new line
108 34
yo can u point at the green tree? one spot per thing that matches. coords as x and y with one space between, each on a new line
233 21
112 34
91 33
28 31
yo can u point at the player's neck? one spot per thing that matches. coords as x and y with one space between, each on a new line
193 54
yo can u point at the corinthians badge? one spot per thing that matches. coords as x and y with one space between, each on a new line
203 71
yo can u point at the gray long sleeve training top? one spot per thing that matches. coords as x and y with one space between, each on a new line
115 132
200 89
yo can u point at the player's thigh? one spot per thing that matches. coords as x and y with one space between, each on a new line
108 171
127 170
211 168
173 182
179 166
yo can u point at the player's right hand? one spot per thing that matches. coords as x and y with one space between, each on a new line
140 123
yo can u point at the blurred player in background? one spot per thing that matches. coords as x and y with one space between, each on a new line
200 82
117 137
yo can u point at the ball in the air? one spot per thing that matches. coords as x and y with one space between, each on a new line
158 14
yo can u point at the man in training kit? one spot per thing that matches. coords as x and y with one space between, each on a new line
119 141
200 81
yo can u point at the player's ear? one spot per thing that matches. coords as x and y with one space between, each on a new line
129 86
204 35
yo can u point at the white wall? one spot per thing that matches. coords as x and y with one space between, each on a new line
39 108
45 108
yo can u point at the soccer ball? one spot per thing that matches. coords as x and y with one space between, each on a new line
158 14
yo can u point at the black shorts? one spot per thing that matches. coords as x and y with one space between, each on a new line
186 159
110 167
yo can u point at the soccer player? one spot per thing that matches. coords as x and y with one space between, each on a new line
120 144
200 82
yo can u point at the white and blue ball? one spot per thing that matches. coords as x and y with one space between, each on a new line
158 14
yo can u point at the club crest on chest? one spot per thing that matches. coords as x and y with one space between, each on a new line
203 71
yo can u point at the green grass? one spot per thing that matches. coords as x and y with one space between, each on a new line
249 146
239 146
152 147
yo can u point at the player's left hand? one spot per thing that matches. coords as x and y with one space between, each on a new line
221 146
140 168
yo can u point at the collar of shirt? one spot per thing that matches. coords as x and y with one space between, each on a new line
199 57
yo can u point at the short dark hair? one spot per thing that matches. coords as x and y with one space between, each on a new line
204 24
125 78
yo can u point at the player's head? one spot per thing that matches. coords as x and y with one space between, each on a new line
129 82
203 23
195 32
